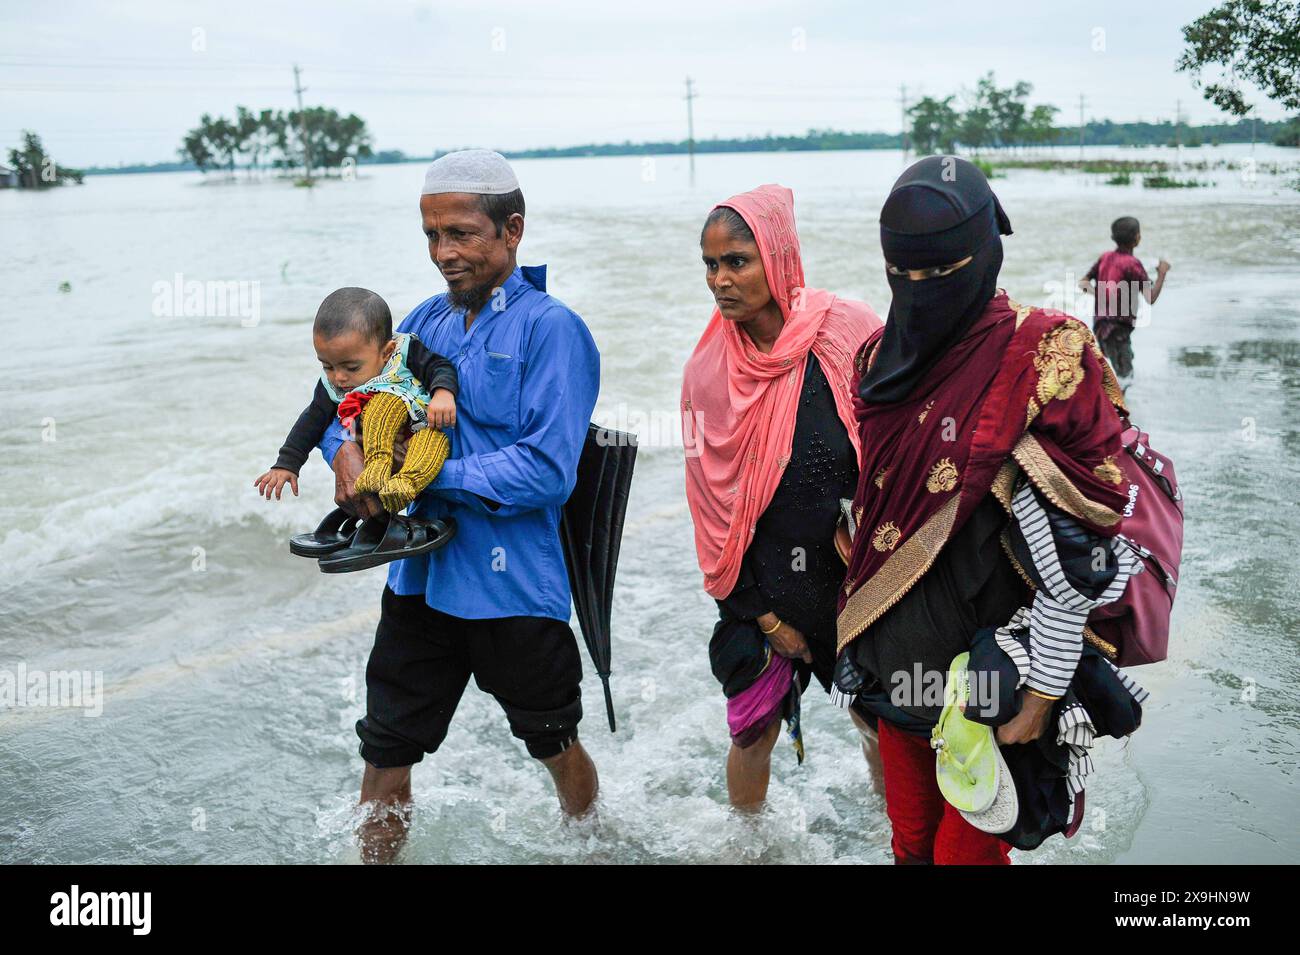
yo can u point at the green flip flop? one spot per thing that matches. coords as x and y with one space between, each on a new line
967 766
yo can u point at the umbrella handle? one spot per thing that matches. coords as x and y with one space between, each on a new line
609 701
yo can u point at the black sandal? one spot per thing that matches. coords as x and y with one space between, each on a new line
380 541
334 533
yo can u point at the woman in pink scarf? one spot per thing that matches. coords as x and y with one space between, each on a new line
771 449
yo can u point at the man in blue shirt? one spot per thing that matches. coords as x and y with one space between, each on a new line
494 602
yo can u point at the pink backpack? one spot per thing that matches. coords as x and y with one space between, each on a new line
1138 623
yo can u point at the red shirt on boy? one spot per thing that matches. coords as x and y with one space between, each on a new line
1118 279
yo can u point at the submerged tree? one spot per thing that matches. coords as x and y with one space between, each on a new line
286 139
223 139
934 125
212 144
994 117
1041 127
1009 107
36 169
326 137
195 148
256 134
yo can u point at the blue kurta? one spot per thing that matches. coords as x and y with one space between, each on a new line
529 377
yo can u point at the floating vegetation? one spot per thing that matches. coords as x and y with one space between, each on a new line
1161 181
1120 179
1117 166
1085 165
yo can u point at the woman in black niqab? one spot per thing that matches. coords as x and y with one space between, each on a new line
940 212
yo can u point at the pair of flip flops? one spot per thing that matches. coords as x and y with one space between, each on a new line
969 768
343 543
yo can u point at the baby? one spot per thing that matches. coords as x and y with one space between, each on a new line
391 382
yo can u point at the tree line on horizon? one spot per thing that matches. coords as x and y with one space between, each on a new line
315 138
1102 132
1096 133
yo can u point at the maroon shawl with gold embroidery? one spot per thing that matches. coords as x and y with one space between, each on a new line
1025 389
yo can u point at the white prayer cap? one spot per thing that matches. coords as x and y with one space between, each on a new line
478 171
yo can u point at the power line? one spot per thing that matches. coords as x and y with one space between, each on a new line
902 104
690 122
302 124
836 91
1080 125
530 91
602 87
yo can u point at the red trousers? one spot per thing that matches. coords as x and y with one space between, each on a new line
927 829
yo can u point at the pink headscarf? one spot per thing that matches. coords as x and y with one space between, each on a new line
739 405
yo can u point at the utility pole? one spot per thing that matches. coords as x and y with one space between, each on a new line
1080 126
902 103
302 124
1178 122
690 123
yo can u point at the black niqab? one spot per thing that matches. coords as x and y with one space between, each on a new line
940 210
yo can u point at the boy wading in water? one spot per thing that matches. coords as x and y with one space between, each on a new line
1116 280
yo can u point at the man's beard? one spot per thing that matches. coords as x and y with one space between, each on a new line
472 299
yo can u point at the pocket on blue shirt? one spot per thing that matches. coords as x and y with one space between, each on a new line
495 399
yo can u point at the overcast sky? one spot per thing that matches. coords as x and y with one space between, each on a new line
105 82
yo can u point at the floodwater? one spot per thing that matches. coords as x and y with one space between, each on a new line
133 545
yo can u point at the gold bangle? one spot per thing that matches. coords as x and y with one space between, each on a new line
768 633
1042 696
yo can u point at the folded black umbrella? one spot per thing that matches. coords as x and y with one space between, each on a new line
591 530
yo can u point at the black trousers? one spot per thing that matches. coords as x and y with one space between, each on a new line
422 660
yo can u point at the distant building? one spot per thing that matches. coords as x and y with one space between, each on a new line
8 178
